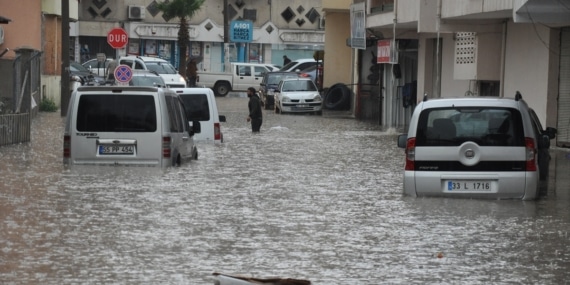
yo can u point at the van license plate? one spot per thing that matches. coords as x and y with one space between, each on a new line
470 186
116 149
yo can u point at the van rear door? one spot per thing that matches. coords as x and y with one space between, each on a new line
116 129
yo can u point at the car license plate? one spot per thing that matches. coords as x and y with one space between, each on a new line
116 149
469 186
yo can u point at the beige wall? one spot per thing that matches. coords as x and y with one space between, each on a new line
25 27
528 70
338 62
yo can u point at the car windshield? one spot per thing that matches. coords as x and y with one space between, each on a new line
276 78
485 126
74 66
153 81
161 67
288 66
298 85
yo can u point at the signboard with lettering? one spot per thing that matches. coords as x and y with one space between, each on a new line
386 52
241 31
358 26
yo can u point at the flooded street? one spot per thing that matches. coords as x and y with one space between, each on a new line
310 197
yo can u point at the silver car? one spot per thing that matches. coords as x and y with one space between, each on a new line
297 95
476 147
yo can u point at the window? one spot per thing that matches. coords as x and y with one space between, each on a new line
197 107
484 126
116 113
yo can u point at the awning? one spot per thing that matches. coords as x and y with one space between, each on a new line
551 12
4 20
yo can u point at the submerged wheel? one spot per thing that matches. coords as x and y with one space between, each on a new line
222 88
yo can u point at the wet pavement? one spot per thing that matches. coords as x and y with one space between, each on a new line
310 197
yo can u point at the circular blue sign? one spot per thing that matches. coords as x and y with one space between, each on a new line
123 73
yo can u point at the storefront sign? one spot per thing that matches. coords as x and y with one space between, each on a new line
358 26
386 52
241 31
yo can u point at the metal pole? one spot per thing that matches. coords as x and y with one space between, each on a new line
65 91
226 37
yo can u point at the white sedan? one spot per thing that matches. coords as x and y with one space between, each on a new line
298 95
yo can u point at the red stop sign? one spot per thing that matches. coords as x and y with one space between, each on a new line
117 38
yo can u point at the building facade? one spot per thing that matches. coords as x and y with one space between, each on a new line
292 28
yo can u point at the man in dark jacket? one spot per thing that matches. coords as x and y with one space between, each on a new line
254 105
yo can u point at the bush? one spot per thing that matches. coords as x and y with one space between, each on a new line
48 105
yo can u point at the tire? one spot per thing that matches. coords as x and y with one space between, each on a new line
222 89
337 97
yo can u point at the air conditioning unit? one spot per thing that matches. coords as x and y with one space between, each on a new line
321 23
136 12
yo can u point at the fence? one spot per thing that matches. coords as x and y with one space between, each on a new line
14 128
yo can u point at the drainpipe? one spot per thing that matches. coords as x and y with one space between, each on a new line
503 55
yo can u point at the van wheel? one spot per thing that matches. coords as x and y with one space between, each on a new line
222 89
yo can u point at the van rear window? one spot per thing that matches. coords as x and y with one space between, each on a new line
197 108
482 125
116 113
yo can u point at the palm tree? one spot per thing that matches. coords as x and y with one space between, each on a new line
184 10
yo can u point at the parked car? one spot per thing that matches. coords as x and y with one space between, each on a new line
240 77
201 107
312 72
146 78
83 75
476 147
98 68
298 95
158 65
127 126
299 64
272 67
269 83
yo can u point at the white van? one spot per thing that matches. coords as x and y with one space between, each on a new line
158 65
128 126
201 107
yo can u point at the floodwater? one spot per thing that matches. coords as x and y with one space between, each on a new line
310 197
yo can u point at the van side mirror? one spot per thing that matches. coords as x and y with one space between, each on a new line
551 132
222 118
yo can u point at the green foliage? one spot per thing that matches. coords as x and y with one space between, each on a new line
48 105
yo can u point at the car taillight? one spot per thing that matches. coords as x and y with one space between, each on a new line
410 153
217 132
166 151
66 146
530 154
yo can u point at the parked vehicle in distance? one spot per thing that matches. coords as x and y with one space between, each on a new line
201 107
299 64
312 72
146 78
476 147
127 126
158 65
238 78
269 83
83 75
298 95
98 68
272 67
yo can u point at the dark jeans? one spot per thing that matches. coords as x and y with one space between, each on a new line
192 81
255 125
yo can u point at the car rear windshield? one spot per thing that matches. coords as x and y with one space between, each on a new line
197 108
116 113
484 126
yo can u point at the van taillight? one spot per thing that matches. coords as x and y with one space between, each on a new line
530 154
66 146
217 132
166 151
410 153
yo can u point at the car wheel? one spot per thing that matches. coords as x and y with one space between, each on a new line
222 89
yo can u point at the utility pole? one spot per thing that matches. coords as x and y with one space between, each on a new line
226 37
65 92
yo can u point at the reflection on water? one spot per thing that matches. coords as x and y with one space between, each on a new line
310 197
